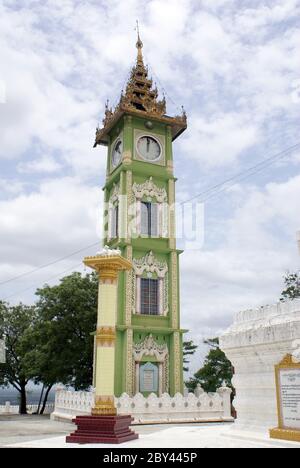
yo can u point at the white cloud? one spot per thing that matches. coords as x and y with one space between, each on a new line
73 49
220 139
40 106
44 164
210 46
216 4
250 19
246 268
11 187
61 217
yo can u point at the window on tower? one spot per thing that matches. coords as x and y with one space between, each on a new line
114 234
149 219
149 296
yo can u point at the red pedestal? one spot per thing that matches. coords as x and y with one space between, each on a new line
102 430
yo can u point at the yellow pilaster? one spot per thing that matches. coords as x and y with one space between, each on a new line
108 265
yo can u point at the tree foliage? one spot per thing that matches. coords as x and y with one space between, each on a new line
189 349
51 341
16 322
216 369
64 342
292 287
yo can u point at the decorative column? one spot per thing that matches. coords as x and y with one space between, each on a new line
108 268
225 393
104 426
137 377
160 379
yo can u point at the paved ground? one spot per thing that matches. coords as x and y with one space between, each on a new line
19 429
41 432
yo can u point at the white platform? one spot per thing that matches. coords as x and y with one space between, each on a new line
257 341
191 436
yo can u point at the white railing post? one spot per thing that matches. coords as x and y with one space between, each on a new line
225 393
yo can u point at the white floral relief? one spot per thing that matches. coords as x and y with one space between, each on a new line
149 189
149 264
149 347
115 194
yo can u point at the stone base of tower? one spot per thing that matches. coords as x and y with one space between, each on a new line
102 430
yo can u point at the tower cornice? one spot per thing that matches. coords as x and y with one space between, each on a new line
178 123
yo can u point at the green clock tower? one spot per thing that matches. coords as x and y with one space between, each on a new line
139 220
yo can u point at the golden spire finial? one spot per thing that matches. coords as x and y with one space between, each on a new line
139 44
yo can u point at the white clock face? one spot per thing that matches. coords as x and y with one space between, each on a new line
149 148
116 153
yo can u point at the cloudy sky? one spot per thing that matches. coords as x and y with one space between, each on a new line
234 65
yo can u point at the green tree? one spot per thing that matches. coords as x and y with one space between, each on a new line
15 323
189 349
41 363
292 287
216 369
67 315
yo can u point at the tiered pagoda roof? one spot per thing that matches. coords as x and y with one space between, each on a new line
140 99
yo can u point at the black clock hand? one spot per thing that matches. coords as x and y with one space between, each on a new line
148 144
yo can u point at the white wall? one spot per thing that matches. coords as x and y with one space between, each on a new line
258 340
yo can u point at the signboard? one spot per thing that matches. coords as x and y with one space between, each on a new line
148 378
287 375
2 352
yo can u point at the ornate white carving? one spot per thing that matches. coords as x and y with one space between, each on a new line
177 363
166 374
129 290
165 298
149 264
115 194
129 373
107 252
149 189
149 347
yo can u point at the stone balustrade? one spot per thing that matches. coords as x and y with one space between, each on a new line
8 409
192 407
253 318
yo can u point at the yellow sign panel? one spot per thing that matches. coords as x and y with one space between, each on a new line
287 375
